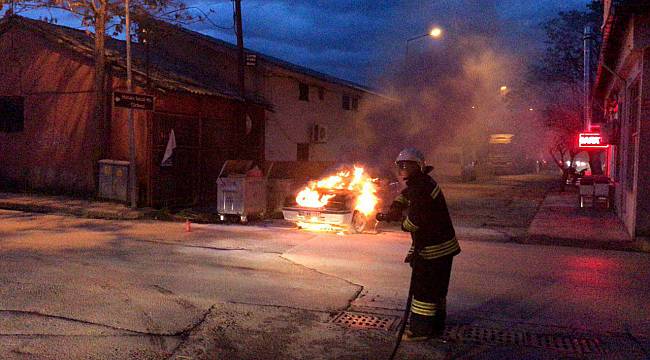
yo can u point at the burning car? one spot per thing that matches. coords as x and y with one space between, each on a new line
345 201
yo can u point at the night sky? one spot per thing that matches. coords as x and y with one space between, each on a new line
360 40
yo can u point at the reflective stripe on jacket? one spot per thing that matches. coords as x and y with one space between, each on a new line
428 218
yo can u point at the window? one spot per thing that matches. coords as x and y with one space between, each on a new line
355 104
304 92
346 102
12 114
303 152
321 94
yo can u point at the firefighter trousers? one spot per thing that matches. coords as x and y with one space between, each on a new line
430 286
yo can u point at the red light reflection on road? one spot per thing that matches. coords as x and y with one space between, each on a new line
591 263
590 270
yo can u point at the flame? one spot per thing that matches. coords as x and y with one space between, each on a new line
312 226
333 182
309 197
367 200
317 194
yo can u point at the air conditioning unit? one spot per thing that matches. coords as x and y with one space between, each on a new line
319 134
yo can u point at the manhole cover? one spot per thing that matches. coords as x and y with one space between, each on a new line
580 345
365 321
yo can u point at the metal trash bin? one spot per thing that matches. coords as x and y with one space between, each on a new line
586 191
240 196
602 190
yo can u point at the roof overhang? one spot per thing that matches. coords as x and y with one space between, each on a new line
613 29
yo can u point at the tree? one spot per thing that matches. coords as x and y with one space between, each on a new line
105 17
554 82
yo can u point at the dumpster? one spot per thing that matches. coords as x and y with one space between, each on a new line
278 191
241 191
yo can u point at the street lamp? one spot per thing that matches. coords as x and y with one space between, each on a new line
435 33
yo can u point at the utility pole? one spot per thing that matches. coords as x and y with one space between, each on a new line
587 80
129 84
240 49
243 113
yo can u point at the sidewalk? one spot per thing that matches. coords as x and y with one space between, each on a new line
560 221
71 206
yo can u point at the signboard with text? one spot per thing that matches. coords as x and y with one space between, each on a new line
591 141
133 101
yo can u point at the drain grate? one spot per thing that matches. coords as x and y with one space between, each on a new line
366 321
581 345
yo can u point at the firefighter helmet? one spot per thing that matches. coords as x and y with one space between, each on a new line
411 154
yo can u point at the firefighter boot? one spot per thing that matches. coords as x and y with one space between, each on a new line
420 328
409 336
439 318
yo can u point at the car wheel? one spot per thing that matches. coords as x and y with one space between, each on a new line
359 222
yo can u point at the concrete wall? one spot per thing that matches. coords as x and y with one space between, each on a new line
53 150
643 158
633 184
627 182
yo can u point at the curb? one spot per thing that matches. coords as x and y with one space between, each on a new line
632 246
76 211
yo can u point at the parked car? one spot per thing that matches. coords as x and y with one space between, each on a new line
339 213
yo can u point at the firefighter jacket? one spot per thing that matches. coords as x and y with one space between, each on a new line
428 218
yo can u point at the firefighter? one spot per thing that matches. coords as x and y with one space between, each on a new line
433 246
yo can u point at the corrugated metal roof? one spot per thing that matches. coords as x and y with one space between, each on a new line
168 73
165 74
266 58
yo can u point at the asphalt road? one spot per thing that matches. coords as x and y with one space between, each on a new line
93 289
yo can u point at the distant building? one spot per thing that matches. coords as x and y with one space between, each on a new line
622 90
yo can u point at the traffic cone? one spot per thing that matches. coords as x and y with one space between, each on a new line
188 225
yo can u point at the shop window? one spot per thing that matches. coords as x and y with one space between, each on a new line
12 114
303 152
304 92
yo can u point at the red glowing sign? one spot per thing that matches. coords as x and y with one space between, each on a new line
591 140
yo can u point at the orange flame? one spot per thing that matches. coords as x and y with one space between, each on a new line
309 197
367 200
318 193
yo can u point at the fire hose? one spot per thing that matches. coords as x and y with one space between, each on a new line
387 218
405 317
